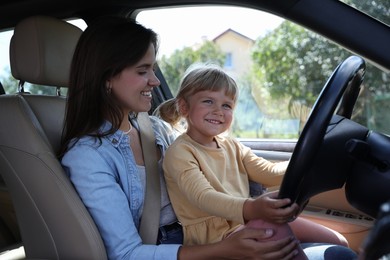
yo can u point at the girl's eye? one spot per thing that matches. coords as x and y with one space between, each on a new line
227 106
208 101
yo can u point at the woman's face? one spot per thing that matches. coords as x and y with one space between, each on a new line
133 86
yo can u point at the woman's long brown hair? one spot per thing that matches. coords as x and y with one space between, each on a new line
105 48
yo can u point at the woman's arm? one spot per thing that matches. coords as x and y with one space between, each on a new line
105 189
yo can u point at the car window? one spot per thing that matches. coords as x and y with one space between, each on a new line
280 67
5 37
10 84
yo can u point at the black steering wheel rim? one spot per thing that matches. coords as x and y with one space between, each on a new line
344 83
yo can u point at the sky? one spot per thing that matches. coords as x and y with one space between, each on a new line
212 22
4 50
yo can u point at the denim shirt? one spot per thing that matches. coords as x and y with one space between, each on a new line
106 178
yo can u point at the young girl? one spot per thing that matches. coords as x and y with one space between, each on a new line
207 173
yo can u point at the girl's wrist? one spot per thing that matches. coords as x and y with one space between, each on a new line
248 210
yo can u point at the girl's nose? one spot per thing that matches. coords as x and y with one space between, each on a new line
217 111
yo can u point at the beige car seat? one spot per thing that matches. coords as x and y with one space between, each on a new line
53 221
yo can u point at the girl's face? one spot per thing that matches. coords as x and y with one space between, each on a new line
133 86
208 113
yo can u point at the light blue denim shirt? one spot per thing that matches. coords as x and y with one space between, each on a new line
106 178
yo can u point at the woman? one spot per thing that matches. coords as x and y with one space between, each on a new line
112 76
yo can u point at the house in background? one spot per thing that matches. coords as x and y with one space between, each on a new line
250 121
237 48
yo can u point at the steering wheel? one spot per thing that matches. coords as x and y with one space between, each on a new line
344 83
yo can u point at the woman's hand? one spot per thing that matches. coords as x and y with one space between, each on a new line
269 208
244 244
248 244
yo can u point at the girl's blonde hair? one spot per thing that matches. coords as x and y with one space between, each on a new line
198 77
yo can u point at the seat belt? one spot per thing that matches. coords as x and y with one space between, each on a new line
150 220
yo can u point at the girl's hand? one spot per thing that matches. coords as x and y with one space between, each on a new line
269 208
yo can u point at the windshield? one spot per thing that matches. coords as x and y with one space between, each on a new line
280 66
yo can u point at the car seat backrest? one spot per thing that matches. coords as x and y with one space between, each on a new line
54 222
50 112
41 51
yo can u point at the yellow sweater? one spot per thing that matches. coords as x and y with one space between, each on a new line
208 186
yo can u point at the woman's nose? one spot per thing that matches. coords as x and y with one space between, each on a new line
154 81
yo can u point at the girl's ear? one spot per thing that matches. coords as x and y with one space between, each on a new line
183 107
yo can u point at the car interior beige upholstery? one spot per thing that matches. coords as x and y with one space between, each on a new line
54 222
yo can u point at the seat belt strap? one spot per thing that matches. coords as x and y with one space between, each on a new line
150 219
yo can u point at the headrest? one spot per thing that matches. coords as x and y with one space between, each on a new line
41 50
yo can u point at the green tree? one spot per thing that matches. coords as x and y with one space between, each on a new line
292 62
10 84
176 64
377 8
377 82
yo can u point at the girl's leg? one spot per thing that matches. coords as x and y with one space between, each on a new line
281 231
308 231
